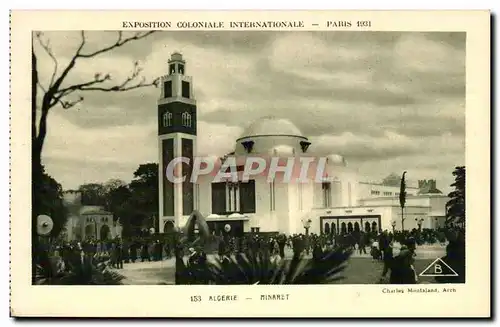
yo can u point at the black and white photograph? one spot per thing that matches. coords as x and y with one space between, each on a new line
248 158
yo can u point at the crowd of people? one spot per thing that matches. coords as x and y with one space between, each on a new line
396 251
115 252
379 245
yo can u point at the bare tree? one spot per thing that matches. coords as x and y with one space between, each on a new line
58 93
68 96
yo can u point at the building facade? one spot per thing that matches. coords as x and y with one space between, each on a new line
339 204
176 139
88 221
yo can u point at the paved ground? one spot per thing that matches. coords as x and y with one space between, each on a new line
361 269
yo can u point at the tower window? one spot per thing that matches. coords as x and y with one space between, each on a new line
185 89
167 91
167 119
186 119
247 197
172 69
327 194
181 69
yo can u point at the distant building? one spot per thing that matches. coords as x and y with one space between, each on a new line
88 221
428 187
342 204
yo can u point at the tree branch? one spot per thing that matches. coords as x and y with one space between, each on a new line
54 94
123 86
119 42
48 50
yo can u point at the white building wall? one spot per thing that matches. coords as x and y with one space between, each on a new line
365 190
283 194
263 217
205 195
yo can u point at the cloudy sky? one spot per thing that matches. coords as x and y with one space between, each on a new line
386 101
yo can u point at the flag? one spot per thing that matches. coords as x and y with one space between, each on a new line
402 191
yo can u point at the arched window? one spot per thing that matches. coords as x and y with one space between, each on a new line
167 119
105 233
343 228
374 226
327 228
367 227
334 229
186 119
356 227
349 227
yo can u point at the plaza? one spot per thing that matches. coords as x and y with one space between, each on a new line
360 269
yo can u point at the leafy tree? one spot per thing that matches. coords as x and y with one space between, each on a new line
51 203
135 205
113 184
455 229
93 194
455 207
144 188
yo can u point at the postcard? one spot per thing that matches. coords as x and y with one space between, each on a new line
250 164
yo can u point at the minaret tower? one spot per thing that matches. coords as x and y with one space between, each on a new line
176 139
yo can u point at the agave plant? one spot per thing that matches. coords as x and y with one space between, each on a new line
254 267
85 272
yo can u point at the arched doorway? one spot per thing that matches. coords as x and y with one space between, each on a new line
334 229
349 227
89 231
168 226
327 228
356 227
105 233
367 227
343 228
374 226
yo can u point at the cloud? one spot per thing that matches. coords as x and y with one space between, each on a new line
386 100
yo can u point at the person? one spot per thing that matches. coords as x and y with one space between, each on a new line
388 257
222 248
168 249
375 250
133 251
57 263
192 257
317 251
145 252
160 250
362 243
281 244
112 258
402 269
119 255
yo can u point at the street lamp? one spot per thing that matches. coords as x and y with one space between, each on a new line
393 224
227 230
307 225
419 222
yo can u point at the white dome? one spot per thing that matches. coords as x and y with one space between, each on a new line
282 151
271 126
337 160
